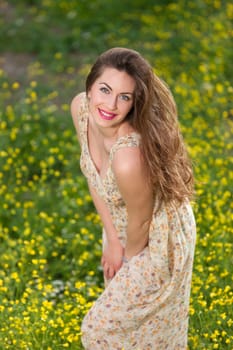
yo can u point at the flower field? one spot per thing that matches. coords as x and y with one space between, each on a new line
50 235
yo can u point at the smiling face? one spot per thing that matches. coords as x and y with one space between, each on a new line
111 97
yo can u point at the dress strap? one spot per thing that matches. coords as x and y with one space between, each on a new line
129 140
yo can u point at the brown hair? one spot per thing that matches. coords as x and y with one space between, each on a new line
154 117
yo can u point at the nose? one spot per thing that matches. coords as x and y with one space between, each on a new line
112 102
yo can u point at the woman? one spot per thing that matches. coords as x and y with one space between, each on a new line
140 179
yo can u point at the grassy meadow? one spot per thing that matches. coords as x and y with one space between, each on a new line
50 235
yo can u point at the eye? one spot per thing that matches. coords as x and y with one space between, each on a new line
125 97
104 90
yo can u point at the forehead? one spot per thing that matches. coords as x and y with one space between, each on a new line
117 79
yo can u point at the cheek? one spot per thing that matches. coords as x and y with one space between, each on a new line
94 96
128 108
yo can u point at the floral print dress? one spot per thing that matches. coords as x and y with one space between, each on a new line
145 306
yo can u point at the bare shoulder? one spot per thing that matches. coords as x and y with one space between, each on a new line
75 108
127 160
131 177
76 103
129 168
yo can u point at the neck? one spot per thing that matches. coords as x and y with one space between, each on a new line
105 133
108 133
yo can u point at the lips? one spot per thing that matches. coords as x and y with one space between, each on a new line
106 115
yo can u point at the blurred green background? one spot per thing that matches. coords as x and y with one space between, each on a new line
50 235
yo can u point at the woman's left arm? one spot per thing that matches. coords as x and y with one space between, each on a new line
133 184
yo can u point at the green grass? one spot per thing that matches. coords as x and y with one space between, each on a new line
50 236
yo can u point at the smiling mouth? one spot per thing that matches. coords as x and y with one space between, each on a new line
106 115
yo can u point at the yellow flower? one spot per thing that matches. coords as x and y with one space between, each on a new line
58 55
15 85
33 83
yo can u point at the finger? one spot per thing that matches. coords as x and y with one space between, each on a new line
111 272
105 268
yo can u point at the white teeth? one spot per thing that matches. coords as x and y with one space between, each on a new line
106 114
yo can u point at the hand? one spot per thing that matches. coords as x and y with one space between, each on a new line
112 258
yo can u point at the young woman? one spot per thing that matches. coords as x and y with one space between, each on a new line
140 179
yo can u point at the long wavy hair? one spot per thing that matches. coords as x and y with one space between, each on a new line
154 117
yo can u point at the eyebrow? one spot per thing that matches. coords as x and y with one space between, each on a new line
122 93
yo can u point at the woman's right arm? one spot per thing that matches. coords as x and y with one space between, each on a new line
113 251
